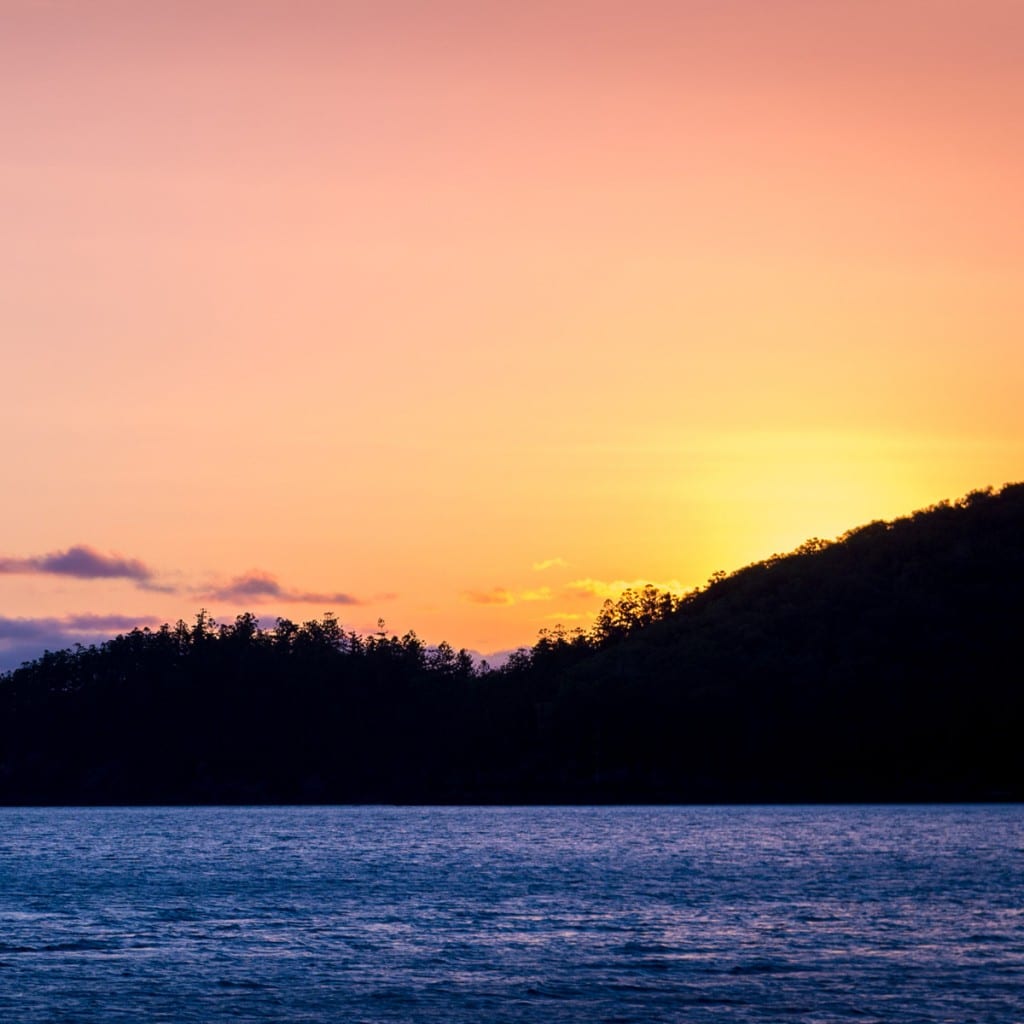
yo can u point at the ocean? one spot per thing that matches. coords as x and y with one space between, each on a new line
491 914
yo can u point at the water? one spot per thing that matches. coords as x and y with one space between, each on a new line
512 914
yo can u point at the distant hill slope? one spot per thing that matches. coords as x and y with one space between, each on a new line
887 665
884 666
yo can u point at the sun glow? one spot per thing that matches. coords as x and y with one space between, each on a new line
363 302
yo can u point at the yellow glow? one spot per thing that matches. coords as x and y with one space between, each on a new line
409 307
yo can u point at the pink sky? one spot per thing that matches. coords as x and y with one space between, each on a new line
373 308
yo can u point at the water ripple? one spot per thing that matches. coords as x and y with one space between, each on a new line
458 915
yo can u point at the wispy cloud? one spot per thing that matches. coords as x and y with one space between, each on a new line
257 587
69 625
502 595
586 588
22 639
550 563
496 595
86 563
495 659
81 562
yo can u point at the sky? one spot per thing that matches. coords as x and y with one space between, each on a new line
468 315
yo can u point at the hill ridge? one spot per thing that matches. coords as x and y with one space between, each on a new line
883 665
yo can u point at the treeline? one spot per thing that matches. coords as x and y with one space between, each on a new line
232 712
882 666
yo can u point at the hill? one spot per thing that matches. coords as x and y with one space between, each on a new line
882 666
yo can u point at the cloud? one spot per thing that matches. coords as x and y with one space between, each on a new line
614 589
502 595
68 625
82 562
496 659
496 595
253 585
22 639
257 586
117 623
550 563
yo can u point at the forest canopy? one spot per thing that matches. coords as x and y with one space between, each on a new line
883 665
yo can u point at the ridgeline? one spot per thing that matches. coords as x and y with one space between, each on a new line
884 666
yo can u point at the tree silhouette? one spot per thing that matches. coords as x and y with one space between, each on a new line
881 666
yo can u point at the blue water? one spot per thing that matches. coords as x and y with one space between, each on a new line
512 914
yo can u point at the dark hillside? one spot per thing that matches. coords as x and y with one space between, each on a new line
884 666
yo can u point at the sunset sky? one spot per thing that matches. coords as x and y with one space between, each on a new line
466 314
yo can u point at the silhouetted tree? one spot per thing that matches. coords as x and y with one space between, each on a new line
883 665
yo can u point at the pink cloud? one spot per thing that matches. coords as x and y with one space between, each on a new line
258 586
80 561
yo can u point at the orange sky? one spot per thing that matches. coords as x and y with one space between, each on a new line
380 307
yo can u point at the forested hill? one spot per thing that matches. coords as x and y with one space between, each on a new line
883 666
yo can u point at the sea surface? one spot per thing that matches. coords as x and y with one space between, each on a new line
682 914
